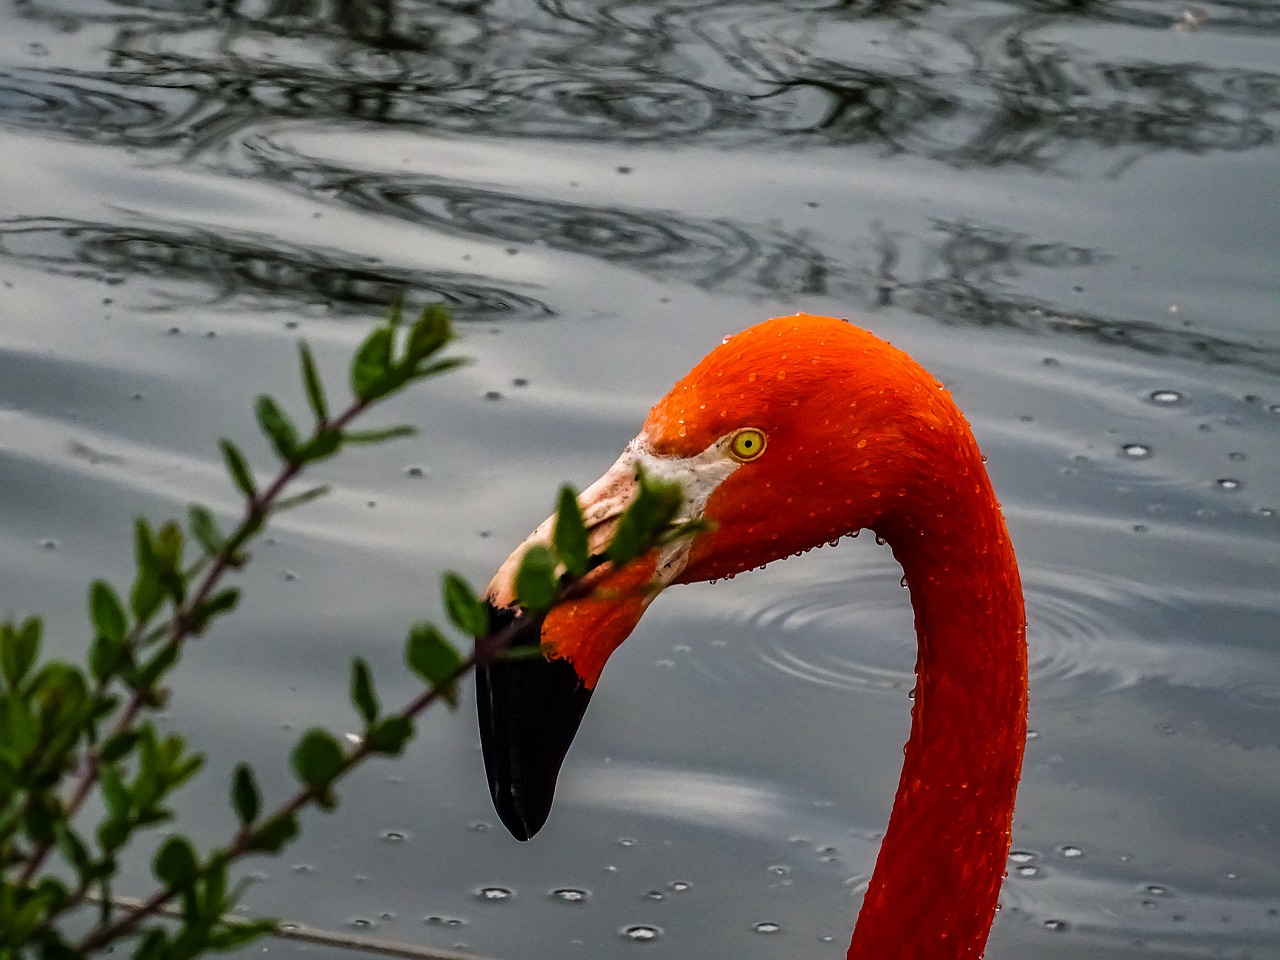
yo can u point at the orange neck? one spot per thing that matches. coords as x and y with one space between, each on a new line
934 891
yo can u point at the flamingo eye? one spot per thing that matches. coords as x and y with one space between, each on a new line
746 445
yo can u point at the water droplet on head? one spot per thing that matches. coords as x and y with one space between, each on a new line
1165 396
360 923
393 836
626 842
1021 856
766 926
494 893
679 886
1136 451
641 933
779 870
1071 852
570 895
1229 483
1055 925
1028 871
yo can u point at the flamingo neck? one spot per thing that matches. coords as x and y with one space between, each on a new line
935 887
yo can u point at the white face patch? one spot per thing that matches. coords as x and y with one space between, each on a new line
699 476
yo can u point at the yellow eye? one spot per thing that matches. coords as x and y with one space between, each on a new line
747 444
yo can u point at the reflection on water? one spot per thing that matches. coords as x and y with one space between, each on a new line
263 271
1011 86
1060 205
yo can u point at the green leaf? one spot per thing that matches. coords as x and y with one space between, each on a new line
207 610
147 593
168 548
323 444
649 516
245 797
118 745
536 578
317 759
441 366
175 863
431 332
362 695
273 835
571 534
370 364
71 847
389 735
19 647
277 427
379 436
298 499
465 609
238 467
106 611
434 659
205 528
311 380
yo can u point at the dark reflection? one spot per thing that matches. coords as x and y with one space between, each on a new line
710 253
1003 85
200 266
971 287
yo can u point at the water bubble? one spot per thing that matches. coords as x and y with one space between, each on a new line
766 926
1055 925
641 933
1237 457
479 827
626 842
492 395
654 895
303 868
1028 871
1165 396
1021 856
438 921
570 895
361 923
1229 483
679 886
393 836
1274 408
1070 852
1136 451
1157 889
494 893
520 382
779 870
415 472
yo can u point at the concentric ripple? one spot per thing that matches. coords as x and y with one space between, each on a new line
850 627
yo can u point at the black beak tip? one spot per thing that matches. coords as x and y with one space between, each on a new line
529 711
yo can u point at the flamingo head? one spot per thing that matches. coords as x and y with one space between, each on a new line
788 435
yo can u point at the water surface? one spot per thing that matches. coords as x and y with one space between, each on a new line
1065 210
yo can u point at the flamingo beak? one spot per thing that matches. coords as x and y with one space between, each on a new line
530 706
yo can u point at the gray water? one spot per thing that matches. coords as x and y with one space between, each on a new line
1068 211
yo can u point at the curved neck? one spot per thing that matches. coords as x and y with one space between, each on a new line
934 891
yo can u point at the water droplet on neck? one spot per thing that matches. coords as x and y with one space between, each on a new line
766 927
1165 397
494 893
1229 483
1136 451
570 895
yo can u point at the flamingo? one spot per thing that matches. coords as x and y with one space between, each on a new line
789 435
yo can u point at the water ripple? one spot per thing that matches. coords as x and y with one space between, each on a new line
1087 636
203 266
